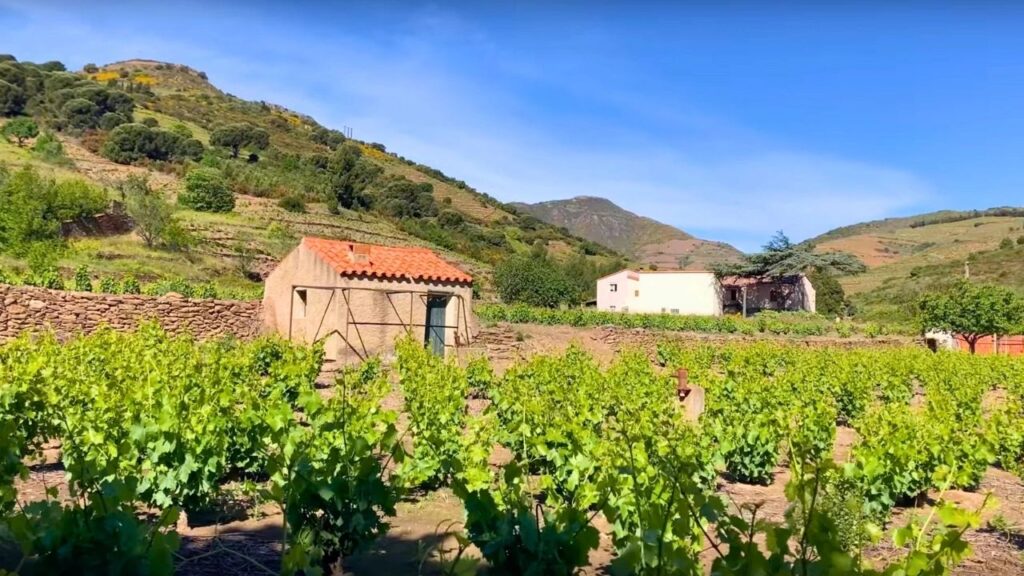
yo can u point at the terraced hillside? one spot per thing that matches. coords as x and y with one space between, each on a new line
907 257
300 160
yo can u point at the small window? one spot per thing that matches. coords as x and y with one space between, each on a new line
774 295
613 287
612 308
299 304
636 293
733 294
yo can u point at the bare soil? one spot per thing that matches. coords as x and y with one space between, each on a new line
99 169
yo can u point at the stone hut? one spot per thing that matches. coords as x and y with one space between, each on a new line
359 298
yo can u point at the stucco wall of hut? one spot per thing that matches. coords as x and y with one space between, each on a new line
360 316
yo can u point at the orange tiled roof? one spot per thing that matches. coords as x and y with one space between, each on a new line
409 263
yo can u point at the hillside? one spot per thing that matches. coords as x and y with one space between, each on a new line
909 256
351 189
645 239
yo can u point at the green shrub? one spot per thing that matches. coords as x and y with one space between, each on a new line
206 291
206 191
181 130
112 120
175 285
292 203
177 238
533 281
130 285
83 282
109 286
49 148
34 207
830 298
12 99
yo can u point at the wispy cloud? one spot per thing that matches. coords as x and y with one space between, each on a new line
444 92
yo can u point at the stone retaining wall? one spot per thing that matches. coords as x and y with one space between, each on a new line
69 313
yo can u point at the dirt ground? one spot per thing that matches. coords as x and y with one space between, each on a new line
420 536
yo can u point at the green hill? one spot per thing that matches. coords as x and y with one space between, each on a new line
907 257
351 189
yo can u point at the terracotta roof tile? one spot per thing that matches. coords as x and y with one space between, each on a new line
389 262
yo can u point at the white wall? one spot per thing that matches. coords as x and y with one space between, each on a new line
656 292
326 310
614 292
679 293
810 303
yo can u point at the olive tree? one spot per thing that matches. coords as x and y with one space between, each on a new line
973 311
132 142
238 136
20 129
151 213
81 113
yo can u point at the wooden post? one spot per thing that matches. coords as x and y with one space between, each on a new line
691 397
744 289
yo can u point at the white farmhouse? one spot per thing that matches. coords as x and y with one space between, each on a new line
701 293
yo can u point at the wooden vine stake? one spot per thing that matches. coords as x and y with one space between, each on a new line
690 397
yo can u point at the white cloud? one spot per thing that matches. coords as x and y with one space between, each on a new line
474 113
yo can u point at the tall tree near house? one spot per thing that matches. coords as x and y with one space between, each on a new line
830 298
780 257
973 311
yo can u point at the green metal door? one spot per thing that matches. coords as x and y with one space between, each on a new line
436 307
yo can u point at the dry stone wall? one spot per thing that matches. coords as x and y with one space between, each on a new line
70 313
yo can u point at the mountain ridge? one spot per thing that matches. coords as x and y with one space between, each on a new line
640 237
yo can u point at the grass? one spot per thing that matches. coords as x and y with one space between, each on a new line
165 121
14 158
895 297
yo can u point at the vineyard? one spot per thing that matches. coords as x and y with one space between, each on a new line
560 465
766 322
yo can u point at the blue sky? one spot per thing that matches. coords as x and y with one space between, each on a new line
730 122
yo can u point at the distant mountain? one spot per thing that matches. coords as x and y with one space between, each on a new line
644 239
